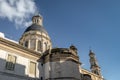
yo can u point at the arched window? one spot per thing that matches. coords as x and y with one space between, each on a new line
86 77
39 48
37 21
26 44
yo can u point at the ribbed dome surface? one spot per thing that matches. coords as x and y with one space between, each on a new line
35 27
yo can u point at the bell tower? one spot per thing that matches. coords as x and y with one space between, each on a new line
94 64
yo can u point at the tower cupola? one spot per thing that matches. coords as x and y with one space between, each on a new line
35 36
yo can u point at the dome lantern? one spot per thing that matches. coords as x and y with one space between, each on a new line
37 19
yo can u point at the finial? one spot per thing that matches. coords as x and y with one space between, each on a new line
90 49
37 13
72 46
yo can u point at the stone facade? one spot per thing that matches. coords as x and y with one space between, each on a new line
33 58
22 62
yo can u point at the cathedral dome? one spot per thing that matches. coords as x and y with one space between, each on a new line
35 27
36 37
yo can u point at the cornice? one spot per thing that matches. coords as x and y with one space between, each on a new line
60 51
60 54
36 33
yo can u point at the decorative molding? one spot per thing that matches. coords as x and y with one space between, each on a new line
19 47
36 33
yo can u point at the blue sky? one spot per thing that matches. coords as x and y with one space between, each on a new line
84 23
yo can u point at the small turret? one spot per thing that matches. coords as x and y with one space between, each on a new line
94 64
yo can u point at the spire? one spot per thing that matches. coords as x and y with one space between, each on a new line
94 64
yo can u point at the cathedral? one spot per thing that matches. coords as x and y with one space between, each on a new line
34 58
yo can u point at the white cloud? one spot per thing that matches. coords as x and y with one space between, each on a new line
17 11
28 23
